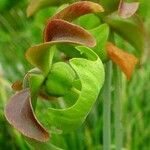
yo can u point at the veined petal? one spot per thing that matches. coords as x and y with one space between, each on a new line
57 32
127 10
78 9
19 113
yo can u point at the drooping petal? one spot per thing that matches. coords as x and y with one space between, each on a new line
88 7
123 59
57 32
127 10
60 30
78 9
19 113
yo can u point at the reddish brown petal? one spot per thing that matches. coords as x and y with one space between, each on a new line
36 5
57 32
125 60
17 86
19 113
60 30
127 10
78 9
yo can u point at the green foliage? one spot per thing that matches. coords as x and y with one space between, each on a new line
87 23
91 80
60 79
126 26
101 34
83 75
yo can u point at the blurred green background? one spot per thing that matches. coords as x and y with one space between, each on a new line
17 33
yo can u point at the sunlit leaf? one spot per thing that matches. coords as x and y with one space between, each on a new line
19 113
124 60
59 80
91 74
88 21
127 10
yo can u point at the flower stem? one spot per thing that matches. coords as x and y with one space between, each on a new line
107 107
117 108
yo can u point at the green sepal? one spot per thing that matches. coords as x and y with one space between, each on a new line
101 34
130 29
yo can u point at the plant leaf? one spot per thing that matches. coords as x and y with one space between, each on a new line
57 32
91 75
78 9
87 23
131 30
59 80
19 113
101 34
123 59
127 10
110 5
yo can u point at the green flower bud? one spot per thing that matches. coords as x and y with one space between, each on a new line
60 79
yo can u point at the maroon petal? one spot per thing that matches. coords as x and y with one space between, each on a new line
78 9
127 10
60 30
19 113
56 32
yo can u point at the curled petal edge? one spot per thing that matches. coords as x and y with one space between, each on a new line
127 10
78 9
58 31
124 60
20 114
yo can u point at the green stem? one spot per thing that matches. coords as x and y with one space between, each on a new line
107 107
117 108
